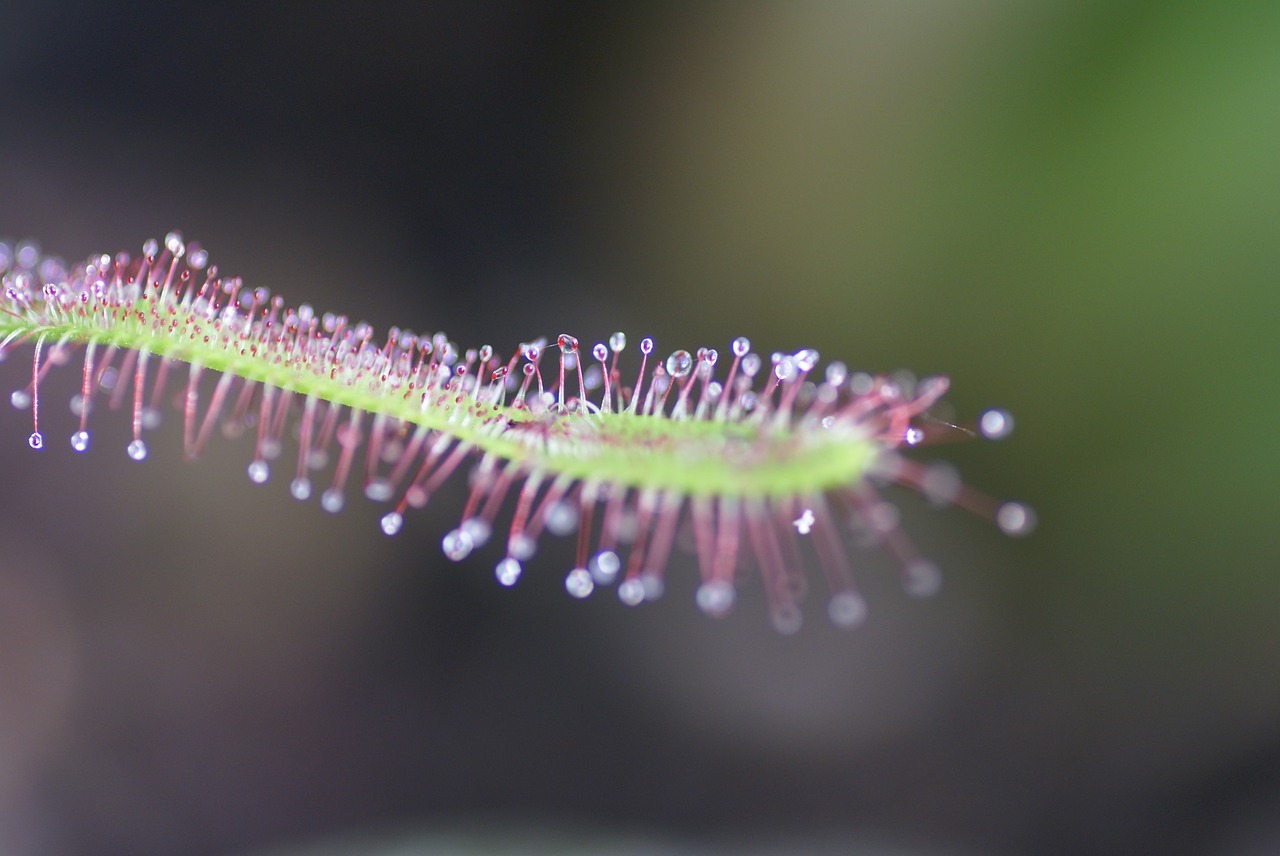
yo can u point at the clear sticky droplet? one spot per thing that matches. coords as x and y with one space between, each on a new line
173 243
923 578
478 529
631 592
787 619
300 489
600 352
847 609
913 436
618 341
567 343
137 450
259 472
578 583
391 522
807 359
457 545
646 345
679 364
332 500
996 424
741 346
378 490
716 598
20 399
80 441
784 368
1016 519
836 373
562 519
653 586
604 567
508 571
522 547
941 484
36 440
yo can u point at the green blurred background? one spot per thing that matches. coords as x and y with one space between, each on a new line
1071 209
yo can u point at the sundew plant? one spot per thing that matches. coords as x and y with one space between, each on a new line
773 464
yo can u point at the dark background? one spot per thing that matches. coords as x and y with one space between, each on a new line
1070 208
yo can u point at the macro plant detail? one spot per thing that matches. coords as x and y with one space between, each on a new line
751 457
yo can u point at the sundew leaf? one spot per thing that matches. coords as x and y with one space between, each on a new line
768 461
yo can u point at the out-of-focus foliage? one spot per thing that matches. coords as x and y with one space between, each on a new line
1070 208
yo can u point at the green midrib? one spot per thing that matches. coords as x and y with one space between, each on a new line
690 457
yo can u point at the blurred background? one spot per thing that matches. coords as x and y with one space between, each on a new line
1072 209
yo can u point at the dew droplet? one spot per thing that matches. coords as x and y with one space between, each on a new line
1015 519
391 522
715 598
618 341
36 440
301 489
922 578
137 450
604 566
578 582
631 592
457 545
508 571
996 424
80 441
679 364
332 500
847 609
259 471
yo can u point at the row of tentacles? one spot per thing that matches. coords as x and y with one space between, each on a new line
419 408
